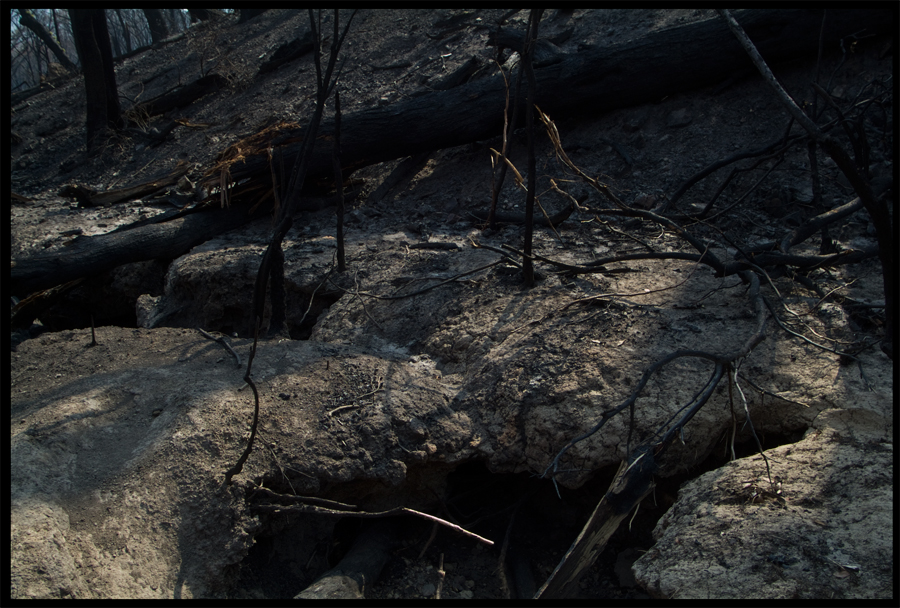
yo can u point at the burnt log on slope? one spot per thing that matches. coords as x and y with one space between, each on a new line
595 80
87 256
592 81
168 235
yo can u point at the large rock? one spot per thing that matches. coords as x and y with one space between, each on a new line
825 531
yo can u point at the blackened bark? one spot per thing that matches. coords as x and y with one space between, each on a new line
88 256
158 29
249 13
595 80
94 49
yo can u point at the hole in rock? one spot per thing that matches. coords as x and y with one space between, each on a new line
98 298
301 316
109 298
302 327
293 551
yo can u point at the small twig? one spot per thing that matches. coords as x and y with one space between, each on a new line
313 296
626 235
771 394
549 221
421 291
740 391
842 354
819 303
221 340
293 498
343 407
743 196
278 464
501 561
239 465
604 296
352 405
441 574
359 295
506 257
765 150
733 420
630 521
598 265
369 515
498 175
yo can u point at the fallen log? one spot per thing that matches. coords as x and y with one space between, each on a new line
359 568
288 52
183 96
167 235
594 80
96 254
89 198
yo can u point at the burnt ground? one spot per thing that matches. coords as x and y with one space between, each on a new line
521 371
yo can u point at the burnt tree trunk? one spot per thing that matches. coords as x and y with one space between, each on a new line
158 29
92 42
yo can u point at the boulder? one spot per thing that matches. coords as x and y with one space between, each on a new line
825 529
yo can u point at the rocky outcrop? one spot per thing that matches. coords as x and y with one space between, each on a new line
823 530
119 462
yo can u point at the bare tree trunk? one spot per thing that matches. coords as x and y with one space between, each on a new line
177 19
27 19
116 42
56 27
158 29
92 41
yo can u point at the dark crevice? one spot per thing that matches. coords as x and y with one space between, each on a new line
109 300
544 523
301 328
